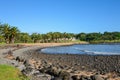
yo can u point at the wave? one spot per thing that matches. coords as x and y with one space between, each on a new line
106 53
96 52
90 50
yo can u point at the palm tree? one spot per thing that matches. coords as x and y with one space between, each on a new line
39 37
0 28
43 37
49 36
9 33
13 33
36 37
6 32
24 37
1 38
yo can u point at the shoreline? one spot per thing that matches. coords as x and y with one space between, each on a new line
74 65
79 65
82 51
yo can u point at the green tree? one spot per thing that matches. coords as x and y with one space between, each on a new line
107 36
49 36
81 36
116 35
93 37
36 37
24 37
5 30
13 33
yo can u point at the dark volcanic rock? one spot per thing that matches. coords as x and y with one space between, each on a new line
57 65
57 78
64 75
76 77
53 71
96 77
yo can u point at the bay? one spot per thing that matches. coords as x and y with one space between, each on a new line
90 49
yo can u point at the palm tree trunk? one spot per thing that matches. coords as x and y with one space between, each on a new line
7 40
12 40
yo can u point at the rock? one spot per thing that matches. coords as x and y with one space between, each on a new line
20 59
10 57
42 77
17 59
21 67
57 78
10 52
27 71
64 75
18 45
53 71
26 63
34 72
32 61
75 77
37 64
96 77
14 63
84 78
43 70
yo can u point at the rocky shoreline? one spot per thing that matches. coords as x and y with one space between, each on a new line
78 66
41 66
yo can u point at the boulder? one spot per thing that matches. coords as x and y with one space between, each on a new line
35 72
21 67
14 63
76 77
42 77
53 71
64 75
57 78
96 77
17 59
11 57
85 78
27 71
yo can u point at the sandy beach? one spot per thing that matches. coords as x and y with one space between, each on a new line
61 66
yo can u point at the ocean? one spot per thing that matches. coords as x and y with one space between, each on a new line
90 49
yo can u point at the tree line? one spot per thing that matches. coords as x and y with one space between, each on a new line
11 34
99 37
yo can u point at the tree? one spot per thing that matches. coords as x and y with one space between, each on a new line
93 36
1 38
49 36
13 33
81 36
36 37
116 35
9 33
44 38
24 37
5 30
56 36
107 36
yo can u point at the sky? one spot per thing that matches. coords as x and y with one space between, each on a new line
73 16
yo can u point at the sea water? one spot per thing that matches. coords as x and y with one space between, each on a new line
91 49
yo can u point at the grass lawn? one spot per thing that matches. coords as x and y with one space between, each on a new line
10 73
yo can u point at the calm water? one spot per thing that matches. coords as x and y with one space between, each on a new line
96 49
